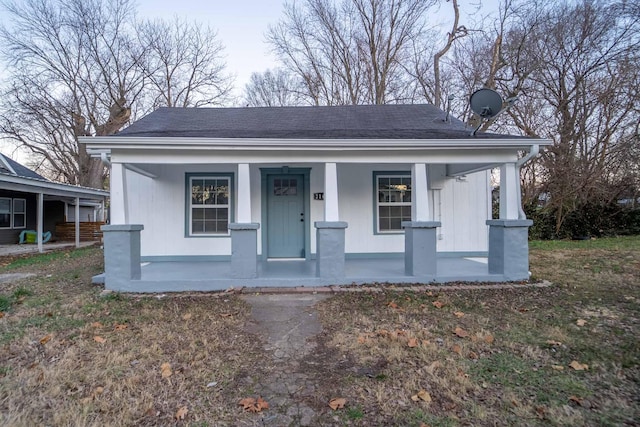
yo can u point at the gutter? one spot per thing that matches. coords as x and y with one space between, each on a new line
105 159
533 152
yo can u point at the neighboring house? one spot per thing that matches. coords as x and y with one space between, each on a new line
28 201
215 197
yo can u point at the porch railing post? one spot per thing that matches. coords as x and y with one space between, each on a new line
420 240
509 248
244 250
330 249
121 255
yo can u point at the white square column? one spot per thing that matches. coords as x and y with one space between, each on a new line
244 233
509 191
420 209
330 232
118 186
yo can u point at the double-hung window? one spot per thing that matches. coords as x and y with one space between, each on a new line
5 212
13 213
209 206
393 201
19 213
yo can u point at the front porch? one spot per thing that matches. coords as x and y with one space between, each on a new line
217 275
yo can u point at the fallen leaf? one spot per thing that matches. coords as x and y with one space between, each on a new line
120 327
458 314
473 355
575 399
413 342
554 343
186 316
96 325
99 339
1 315
392 305
461 332
557 367
438 304
424 396
165 370
581 322
489 339
578 366
181 413
456 349
337 403
98 391
45 339
362 339
383 332
262 404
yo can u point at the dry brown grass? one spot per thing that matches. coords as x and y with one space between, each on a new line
511 368
73 379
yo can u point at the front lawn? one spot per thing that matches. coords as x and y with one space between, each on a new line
567 355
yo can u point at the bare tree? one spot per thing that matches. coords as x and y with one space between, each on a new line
77 68
351 52
183 64
277 88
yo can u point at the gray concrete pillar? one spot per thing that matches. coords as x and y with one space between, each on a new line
121 254
509 248
420 248
330 249
244 250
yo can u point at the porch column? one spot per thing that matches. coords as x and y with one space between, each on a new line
118 186
509 191
121 255
330 232
39 219
77 224
509 248
420 239
244 233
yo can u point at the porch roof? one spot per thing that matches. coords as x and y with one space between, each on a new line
361 124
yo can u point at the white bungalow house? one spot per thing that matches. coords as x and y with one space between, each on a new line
207 198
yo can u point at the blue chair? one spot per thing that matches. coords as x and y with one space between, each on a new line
31 236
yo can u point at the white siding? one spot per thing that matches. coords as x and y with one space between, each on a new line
159 204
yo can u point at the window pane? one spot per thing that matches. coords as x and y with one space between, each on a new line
197 213
19 205
5 220
5 206
395 223
384 224
19 221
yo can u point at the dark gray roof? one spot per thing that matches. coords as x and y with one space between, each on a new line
391 121
20 170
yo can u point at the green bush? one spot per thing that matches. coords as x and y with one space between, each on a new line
585 221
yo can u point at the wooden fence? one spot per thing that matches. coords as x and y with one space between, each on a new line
89 231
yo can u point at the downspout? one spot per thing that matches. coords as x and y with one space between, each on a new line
107 163
105 159
533 152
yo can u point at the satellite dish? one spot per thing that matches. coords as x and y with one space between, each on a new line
486 103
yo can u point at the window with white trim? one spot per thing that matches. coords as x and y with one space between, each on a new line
209 205
13 213
5 212
19 213
393 201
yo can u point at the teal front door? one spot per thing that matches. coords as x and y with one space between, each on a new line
285 216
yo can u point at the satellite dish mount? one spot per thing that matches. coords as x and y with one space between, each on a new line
487 104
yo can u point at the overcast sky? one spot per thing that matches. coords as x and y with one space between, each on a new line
241 26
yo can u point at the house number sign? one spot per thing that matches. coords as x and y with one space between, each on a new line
318 196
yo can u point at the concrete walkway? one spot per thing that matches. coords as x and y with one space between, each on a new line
28 248
286 323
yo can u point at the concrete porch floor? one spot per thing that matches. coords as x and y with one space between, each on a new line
216 276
